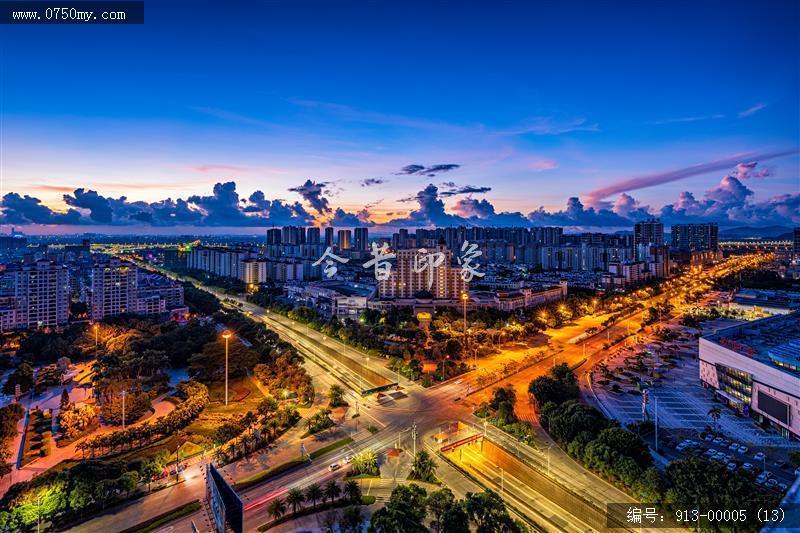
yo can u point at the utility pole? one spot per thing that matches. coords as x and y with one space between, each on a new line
414 437
123 410
656 417
226 335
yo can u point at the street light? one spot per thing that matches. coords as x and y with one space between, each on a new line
465 299
123 410
96 329
226 335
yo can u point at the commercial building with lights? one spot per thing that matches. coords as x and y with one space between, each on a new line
755 368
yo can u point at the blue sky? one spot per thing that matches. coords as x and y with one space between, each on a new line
537 101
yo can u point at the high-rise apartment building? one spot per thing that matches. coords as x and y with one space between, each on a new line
38 295
796 244
253 271
114 289
647 233
409 278
273 236
695 236
293 235
361 239
345 239
312 235
329 232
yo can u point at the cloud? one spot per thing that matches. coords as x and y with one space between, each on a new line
312 193
466 189
596 197
217 168
542 164
430 171
343 218
575 214
550 126
18 209
681 120
748 170
752 110
369 182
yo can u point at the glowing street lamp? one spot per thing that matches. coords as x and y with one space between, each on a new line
96 329
465 299
226 335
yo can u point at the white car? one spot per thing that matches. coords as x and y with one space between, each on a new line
759 456
349 459
731 467
762 478
742 449
747 467
334 467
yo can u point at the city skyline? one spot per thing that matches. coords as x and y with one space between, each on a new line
296 121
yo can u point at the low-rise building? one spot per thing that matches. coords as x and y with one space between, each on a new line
333 297
755 369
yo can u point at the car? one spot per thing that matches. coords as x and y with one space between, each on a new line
717 441
708 438
742 449
782 487
731 467
334 467
763 476
780 463
349 459
747 467
733 447
720 457
771 483
759 456
682 446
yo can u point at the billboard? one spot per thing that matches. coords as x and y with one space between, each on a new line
226 506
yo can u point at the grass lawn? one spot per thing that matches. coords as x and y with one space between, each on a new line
243 396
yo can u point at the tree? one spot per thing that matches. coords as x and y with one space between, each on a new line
295 498
455 519
365 462
353 491
489 513
64 403
403 513
151 469
276 508
329 521
331 491
423 467
336 396
313 493
352 520
715 413
128 481
650 486
626 443
439 502
794 458
22 376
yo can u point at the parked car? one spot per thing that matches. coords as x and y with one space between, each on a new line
717 441
782 487
709 437
731 467
743 449
747 467
734 447
759 456
771 483
762 478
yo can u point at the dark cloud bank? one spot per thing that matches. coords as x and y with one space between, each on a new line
728 203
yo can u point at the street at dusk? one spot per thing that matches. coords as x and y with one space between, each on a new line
338 266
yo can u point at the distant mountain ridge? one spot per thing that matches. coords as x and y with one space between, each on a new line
766 232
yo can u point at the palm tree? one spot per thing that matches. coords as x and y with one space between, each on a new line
423 466
365 462
332 491
295 498
715 413
276 508
313 493
352 491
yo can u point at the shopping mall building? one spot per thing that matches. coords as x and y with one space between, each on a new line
755 368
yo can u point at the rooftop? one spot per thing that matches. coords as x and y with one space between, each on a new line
774 340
